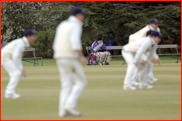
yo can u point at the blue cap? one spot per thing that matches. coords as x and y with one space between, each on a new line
29 32
155 33
99 38
153 21
77 10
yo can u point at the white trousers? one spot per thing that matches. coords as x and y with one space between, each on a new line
130 68
14 73
141 70
73 81
150 70
149 67
135 75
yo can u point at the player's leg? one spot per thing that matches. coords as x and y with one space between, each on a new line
149 68
151 72
134 77
129 73
142 73
80 82
65 72
15 75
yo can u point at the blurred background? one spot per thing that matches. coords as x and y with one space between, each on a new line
113 21
103 98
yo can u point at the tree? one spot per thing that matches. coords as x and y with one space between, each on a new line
17 16
121 18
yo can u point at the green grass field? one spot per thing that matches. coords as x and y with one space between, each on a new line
102 99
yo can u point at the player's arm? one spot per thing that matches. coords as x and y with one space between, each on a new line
17 56
143 48
154 57
75 39
82 57
139 34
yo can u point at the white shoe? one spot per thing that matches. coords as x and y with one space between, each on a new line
63 114
13 96
146 87
155 79
135 83
73 111
150 81
129 88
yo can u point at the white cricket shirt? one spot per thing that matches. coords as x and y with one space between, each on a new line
14 50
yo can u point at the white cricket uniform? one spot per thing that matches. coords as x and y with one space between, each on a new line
132 53
139 34
11 60
67 41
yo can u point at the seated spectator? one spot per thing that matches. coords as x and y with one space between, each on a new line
100 51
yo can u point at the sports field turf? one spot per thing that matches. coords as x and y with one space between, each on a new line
103 98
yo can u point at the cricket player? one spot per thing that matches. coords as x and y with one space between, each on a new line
132 53
11 60
153 25
67 48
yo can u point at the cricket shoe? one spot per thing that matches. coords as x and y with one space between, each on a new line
62 114
129 88
155 79
150 81
65 114
146 87
135 83
13 96
73 111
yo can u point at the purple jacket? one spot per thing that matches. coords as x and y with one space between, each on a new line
103 47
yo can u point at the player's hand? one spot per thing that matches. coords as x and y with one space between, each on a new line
83 60
153 60
158 61
143 63
23 73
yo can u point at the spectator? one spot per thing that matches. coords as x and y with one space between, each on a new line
100 51
111 42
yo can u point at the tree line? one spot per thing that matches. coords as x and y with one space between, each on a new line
105 18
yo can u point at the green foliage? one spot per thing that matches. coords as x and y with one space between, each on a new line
120 18
124 18
43 44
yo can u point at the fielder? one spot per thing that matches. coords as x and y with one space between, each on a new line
67 46
132 53
153 25
11 60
